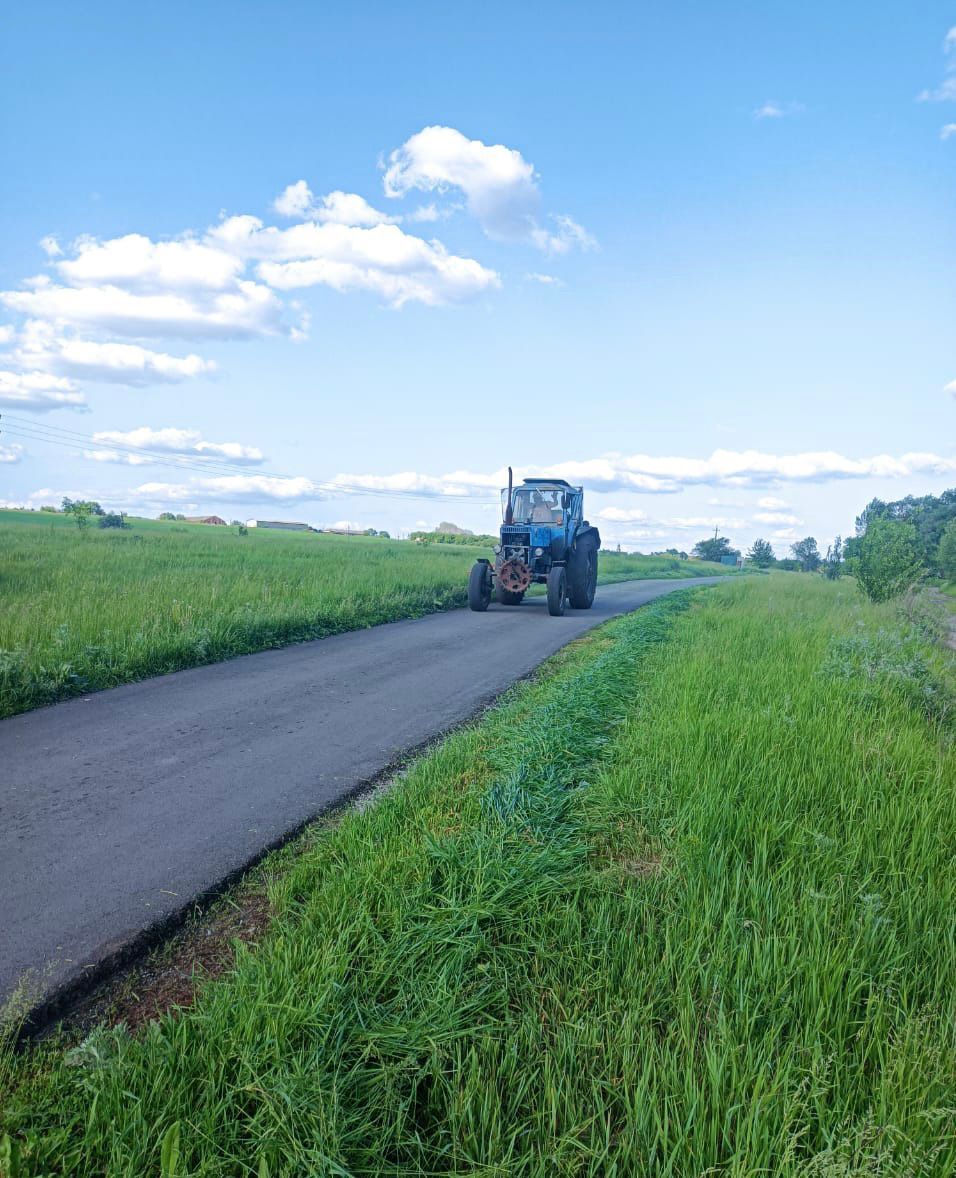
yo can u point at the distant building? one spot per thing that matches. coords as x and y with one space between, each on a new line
278 525
205 519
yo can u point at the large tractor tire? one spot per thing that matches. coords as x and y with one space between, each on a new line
479 587
582 575
557 591
506 597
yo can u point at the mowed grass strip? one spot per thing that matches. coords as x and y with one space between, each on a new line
86 610
683 906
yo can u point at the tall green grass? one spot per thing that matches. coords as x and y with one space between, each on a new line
684 906
87 610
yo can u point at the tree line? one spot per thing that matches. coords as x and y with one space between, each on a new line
896 545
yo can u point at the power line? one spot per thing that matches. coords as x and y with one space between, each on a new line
74 440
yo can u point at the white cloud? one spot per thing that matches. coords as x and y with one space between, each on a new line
948 131
136 263
544 279
569 234
785 534
50 246
341 208
622 515
776 517
38 391
668 475
10 454
41 347
771 502
777 110
500 186
946 91
249 309
295 200
181 442
951 388
7 333
229 488
399 266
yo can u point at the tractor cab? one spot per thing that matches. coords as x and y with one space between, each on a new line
544 540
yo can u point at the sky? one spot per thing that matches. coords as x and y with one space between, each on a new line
347 263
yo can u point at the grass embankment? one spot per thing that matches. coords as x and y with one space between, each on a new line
683 906
83 611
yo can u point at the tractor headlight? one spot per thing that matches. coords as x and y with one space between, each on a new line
539 552
497 548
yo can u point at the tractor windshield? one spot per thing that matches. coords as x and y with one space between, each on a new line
537 505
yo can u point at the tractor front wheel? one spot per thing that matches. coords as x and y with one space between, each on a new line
506 597
557 591
479 587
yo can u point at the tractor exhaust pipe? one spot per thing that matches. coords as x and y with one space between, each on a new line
509 510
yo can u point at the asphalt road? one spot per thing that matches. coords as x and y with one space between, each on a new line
120 809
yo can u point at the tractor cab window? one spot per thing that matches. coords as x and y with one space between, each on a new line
538 505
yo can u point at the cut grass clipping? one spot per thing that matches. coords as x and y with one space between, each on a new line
685 905
92 609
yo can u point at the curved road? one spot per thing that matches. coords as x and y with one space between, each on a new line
121 809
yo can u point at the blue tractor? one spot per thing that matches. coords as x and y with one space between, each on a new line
545 540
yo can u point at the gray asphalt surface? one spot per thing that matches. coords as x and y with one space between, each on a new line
120 809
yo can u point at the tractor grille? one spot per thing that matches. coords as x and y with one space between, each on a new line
515 537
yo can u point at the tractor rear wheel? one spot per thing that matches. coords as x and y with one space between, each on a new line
582 576
506 597
479 587
557 591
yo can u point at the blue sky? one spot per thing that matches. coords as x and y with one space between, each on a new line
698 256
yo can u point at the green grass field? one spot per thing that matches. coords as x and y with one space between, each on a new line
682 906
87 610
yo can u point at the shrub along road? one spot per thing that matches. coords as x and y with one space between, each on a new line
122 808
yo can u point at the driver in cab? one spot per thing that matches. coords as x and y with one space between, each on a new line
541 511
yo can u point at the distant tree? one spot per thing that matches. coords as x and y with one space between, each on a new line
181 517
113 519
889 559
383 535
761 554
236 523
946 555
166 515
807 552
50 507
833 561
788 565
713 548
929 515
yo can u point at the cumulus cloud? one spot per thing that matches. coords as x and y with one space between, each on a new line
383 258
10 454
668 475
499 185
38 391
340 208
249 309
771 502
134 262
178 442
948 131
229 488
951 388
42 347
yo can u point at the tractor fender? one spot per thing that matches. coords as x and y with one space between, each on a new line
587 534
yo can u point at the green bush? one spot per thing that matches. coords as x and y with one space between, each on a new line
888 559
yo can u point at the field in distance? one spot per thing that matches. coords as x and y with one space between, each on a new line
84 610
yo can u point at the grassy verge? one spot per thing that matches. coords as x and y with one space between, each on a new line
685 905
84 611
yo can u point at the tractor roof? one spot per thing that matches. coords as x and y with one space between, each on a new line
547 482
